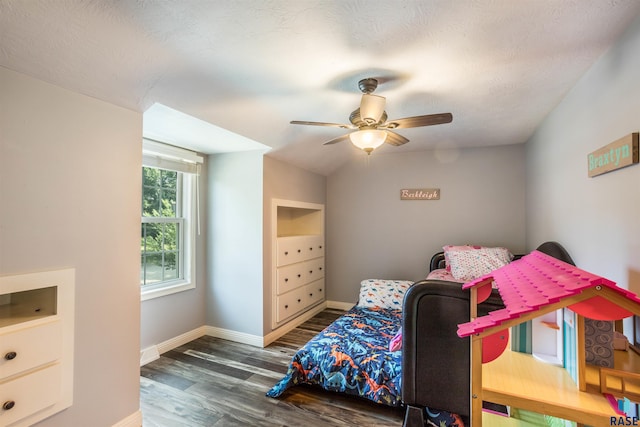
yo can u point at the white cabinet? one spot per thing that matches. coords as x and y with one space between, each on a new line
36 346
298 258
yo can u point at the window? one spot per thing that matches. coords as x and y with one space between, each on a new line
162 227
169 212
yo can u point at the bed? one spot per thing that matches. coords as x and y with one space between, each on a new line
398 345
353 354
356 354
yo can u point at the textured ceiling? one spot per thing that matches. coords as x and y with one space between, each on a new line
251 66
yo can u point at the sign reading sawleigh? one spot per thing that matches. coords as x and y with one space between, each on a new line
618 154
420 194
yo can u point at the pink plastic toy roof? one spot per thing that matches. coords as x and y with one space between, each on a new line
536 280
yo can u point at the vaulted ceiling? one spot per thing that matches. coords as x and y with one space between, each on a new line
249 67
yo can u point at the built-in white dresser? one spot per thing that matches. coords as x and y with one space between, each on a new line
298 266
36 346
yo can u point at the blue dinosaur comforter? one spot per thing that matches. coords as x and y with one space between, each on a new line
351 356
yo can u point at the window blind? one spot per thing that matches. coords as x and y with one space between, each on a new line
169 157
164 156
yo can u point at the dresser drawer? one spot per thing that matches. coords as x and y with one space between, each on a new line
294 249
314 292
299 299
30 393
290 303
30 347
294 275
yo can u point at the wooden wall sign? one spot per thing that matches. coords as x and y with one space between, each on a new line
420 194
618 154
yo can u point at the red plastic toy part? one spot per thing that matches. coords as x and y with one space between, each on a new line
494 345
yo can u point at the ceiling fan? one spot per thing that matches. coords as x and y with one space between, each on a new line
371 124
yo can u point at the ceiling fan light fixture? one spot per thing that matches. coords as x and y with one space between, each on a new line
368 140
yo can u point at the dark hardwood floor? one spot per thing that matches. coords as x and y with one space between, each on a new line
214 382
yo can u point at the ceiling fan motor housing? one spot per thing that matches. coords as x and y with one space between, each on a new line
368 85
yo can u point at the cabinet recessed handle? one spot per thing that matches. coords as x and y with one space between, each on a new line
310 249
299 300
310 294
310 271
299 250
319 289
8 405
286 279
286 306
320 268
298 275
10 355
286 253
320 246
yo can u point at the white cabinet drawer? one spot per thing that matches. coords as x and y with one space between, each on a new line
314 292
30 393
294 275
294 249
30 347
290 303
299 299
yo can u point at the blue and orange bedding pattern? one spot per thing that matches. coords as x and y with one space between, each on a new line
352 356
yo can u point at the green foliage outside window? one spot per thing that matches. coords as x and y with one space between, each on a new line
159 244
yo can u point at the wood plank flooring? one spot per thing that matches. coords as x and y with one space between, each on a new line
213 382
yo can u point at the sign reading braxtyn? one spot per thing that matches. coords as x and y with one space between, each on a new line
420 194
618 154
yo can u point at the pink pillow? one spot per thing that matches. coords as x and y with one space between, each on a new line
441 274
396 342
468 262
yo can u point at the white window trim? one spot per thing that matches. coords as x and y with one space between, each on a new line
189 189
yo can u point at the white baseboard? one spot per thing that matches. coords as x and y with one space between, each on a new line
133 420
149 354
274 335
181 339
340 305
153 352
235 336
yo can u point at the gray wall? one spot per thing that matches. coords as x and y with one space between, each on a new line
596 219
284 181
70 197
158 320
373 234
234 242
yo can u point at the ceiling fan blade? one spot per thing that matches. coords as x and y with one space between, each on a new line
335 125
417 121
371 108
338 139
395 139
